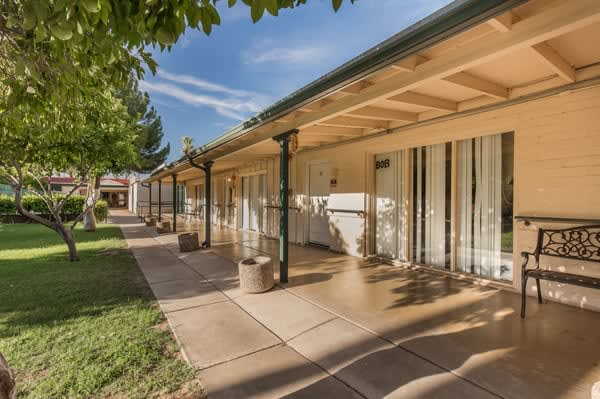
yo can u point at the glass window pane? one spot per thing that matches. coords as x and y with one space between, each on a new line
485 206
431 201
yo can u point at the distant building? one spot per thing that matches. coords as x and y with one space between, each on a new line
139 196
113 190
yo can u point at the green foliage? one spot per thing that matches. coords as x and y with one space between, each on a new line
149 128
56 44
34 203
89 329
73 205
101 210
7 205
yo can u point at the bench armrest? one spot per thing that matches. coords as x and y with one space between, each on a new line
525 260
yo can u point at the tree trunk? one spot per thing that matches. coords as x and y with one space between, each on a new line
67 235
7 380
89 220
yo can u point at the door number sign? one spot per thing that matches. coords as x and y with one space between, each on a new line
384 163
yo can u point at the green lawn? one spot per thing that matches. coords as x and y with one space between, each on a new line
83 329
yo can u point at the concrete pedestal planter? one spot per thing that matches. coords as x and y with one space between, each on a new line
150 221
188 242
163 227
256 274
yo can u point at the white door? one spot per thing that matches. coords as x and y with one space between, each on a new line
319 176
385 194
245 203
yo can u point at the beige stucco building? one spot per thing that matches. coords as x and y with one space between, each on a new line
446 146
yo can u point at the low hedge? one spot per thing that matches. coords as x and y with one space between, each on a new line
101 210
32 203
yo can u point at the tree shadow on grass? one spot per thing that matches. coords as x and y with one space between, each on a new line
33 236
49 289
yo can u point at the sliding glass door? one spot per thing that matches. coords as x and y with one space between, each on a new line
485 206
431 204
390 229
420 212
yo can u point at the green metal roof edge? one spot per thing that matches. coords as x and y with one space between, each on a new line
454 18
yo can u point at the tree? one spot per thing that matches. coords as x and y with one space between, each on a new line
50 45
85 138
60 61
150 131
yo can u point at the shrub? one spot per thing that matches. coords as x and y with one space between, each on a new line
74 205
7 205
33 203
101 210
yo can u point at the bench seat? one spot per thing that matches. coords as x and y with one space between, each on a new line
567 278
581 243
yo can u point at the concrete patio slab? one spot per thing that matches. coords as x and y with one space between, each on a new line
433 336
183 294
222 272
219 332
283 313
273 373
158 272
337 344
376 368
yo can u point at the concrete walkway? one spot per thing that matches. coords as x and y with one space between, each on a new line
275 344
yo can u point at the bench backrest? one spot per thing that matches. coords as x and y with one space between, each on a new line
582 243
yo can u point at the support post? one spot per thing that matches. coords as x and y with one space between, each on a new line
284 141
207 203
150 199
159 198
174 203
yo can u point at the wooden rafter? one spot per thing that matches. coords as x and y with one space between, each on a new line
502 23
483 86
555 61
356 87
385 114
332 130
348 121
426 101
408 64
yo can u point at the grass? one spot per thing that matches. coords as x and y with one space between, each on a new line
84 329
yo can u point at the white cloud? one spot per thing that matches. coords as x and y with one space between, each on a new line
300 54
235 107
203 84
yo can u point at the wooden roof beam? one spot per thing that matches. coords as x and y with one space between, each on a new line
502 23
408 64
423 100
555 61
480 85
332 131
348 121
384 113
316 105
357 87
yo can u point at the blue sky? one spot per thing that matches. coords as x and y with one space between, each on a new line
206 85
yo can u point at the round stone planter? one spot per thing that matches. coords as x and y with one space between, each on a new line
188 242
163 227
256 274
150 221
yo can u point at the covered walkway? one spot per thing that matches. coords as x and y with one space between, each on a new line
346 327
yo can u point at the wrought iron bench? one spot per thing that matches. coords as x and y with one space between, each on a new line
581 243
